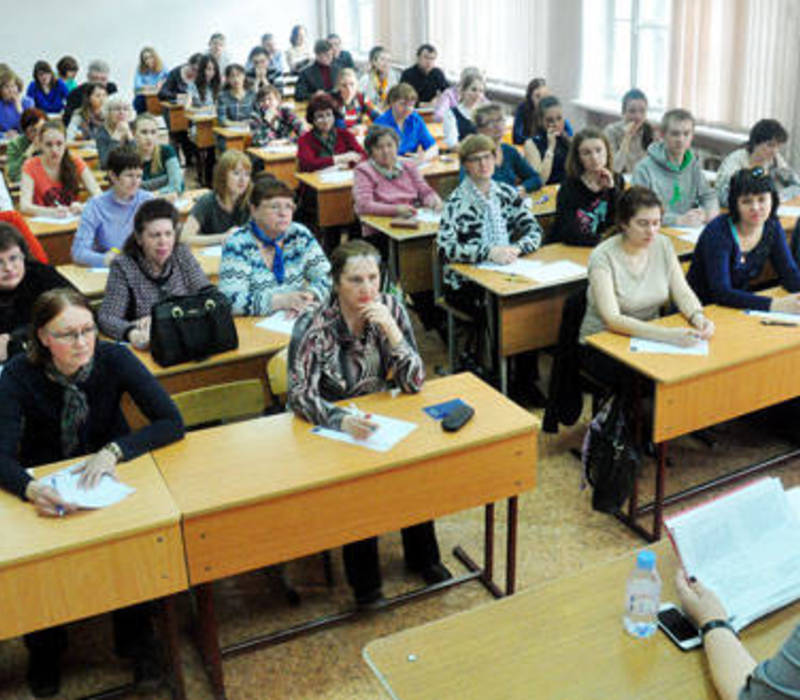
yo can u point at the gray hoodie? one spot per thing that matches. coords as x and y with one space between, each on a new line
680 188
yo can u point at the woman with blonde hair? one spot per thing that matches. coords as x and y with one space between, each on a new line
459 120
116 128
379 77
150 73
161 169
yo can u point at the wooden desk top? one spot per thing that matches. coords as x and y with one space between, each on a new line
278 455
229 133
40 228
563 639
253 342
505 285
383 224
738 338
201 115
543 200
35 537
273 156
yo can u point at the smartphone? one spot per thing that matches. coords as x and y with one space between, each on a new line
679 628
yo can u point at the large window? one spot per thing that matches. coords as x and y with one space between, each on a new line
355 21
626 44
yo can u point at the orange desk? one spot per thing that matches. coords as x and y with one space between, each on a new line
234 139
203 123
56 238
282 163
175 115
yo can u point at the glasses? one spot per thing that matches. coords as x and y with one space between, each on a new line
73 337
481 158
11 261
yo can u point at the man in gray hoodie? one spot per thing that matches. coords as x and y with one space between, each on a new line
673 172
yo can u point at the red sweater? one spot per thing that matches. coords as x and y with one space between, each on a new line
308 150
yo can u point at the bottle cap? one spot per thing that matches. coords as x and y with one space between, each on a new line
646 560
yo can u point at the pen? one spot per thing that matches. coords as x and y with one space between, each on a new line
358 413
766 322
59 508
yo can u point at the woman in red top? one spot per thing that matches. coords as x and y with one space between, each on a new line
326 145
50 181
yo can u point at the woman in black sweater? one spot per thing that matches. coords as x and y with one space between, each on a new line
62 400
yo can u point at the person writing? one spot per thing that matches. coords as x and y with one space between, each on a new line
61 400
349 347
632 135
673 172
153 265
734 249
273 263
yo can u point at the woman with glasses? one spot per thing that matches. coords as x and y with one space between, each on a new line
61 400
734 249
273 263
326 144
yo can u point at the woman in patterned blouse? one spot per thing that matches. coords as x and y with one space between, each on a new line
347 348
273 263
272 122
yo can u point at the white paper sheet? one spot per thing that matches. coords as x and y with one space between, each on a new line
107 492
212 251
183 203
775 316
644 345
792 494
524 268
332 176
278 322
286 148
390 431
54 219
100 270
787 210
428 216
559 271
690 233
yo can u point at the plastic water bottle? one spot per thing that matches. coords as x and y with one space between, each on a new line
642 596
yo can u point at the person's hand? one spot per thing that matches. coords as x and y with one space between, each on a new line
704 326
95 467
630 130
605 179
693 217
4 338
292 302
61 212
790 304
405 211
47 501
139 336
683 337
76 208
378 313
503 254
358 427
552 135
108 258
124 131
698 602
437 205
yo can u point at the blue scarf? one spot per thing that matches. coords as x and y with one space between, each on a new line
277 262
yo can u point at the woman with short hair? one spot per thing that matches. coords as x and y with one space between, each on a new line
47 92
12 102
379 77
402 117
326 144
116 128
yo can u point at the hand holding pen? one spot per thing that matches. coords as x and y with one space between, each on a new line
357 424
47 500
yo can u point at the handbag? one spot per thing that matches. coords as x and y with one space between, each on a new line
610 457
192 327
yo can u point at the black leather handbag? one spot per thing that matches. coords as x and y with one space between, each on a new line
192 327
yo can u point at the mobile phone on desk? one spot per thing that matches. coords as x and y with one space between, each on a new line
678 627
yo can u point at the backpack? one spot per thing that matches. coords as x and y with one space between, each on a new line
610 458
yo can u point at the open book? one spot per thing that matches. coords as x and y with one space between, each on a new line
745 546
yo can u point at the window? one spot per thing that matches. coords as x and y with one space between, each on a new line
354 21
626 44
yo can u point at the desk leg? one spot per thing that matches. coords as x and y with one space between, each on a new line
209 638
485 574
511 545
173 647
493 330
661 473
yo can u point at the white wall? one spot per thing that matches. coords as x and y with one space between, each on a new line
116 30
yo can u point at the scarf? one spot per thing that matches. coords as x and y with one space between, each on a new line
389 174
381 86
327 143
495 231
277 262
75 410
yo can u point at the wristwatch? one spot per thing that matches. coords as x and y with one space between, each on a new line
114 449
713 624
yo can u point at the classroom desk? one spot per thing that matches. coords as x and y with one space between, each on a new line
318 494
561 639
203 122
54 571
749 367
543 201
524 314
280 163
335 199
151 101
234 139
175 116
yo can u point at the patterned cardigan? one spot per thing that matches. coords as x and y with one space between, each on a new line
461 236
327 363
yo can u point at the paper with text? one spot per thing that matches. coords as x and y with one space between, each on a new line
428 216
53 219
107 492
523 268
775 316
390 431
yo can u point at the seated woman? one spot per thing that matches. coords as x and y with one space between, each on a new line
235 102
525 116
150 74
87 121
630 137
12 102
22 280
483 220
458 120
67 68
154 264
354 107
401 117
204 91
510 168
632 275
273 263
271 122
547 149
219 213
762 150
347 348
450 97
379 77
61 401
734 248
325 144
161 169
107 219
386 186
298 55
47 92
587 199
116 128
51 181
26 144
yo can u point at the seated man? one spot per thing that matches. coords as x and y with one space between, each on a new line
179 79
97 73
277 66
341 58
216 48
424 76
320 75
673 172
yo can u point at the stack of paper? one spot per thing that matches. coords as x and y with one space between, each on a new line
523 268
336 176
428 216
280 148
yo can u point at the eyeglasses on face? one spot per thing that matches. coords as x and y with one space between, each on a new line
73 337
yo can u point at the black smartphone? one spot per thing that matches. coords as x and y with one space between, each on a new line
678 627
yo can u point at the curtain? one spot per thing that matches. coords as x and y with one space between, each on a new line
401 27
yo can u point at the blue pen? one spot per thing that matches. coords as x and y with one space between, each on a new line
59 508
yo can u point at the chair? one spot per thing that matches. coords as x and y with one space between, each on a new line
277 376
